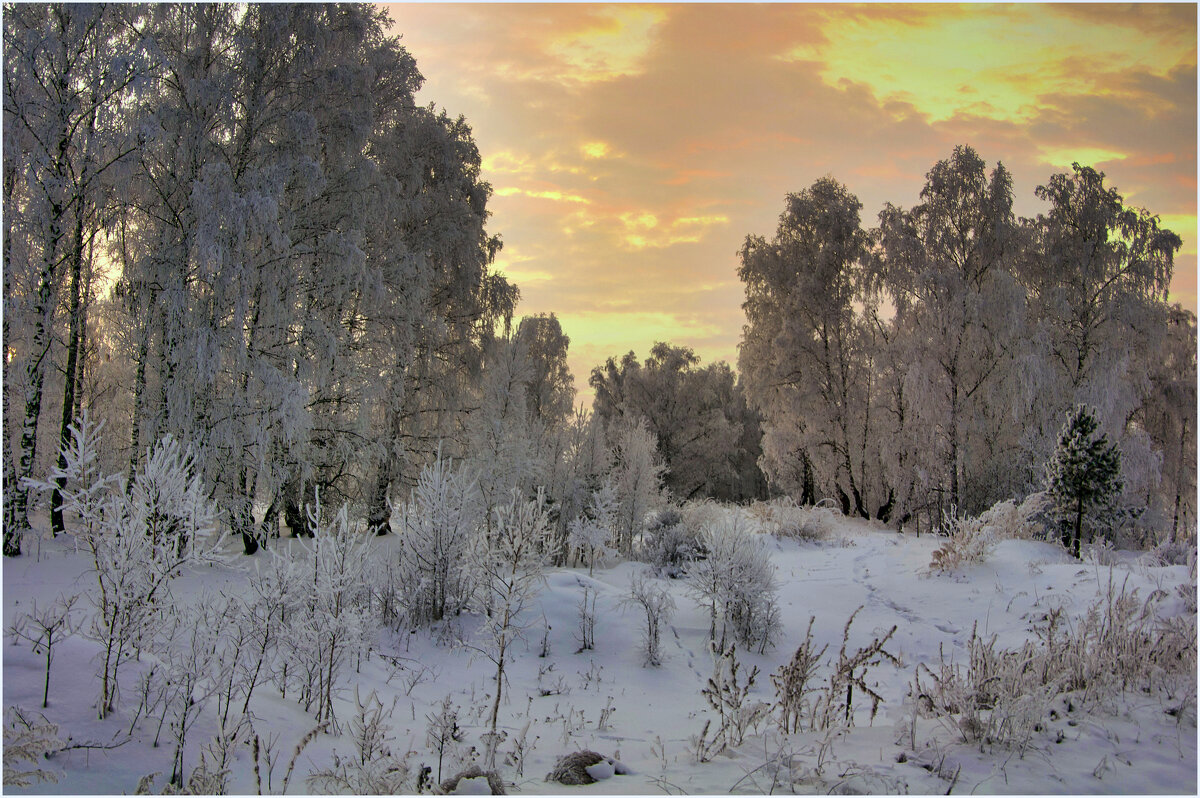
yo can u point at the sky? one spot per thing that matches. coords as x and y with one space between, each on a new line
632 148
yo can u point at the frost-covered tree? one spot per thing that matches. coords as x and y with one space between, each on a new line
636 475
502 436
946 266
1097 274
1083 477
1169 415
439 526
550 390
591 533
66 67
577 458
803 350
698 415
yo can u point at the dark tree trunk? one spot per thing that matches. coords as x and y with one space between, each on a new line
808 494
884 513
71 378
845 501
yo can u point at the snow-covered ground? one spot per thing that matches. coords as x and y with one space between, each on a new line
606 700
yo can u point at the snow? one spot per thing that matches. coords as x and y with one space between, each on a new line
601 770
606 700
473 786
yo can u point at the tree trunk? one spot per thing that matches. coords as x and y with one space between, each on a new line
1078 526
70 379
808 492
1179 469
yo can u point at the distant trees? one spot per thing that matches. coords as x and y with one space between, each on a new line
698 415
922 367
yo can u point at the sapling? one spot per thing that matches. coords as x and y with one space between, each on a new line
140 535
657 605
42 629
442 731
334 621
591 534
587 620
440 521
510 563
1083 477
189 652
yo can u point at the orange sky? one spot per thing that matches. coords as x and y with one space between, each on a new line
633 147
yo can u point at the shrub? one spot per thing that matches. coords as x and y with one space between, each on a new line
969 542
784 518
670 544
1000 696
657 605
736 581
439 523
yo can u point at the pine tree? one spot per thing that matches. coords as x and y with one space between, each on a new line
1083 477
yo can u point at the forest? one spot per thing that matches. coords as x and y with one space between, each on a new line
253 326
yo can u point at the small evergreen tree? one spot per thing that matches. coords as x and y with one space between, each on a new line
1083 476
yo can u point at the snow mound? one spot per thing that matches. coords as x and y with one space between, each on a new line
476 785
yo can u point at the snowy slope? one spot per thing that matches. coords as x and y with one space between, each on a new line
606 700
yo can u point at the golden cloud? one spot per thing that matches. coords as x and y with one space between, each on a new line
549 194
615 44
996 62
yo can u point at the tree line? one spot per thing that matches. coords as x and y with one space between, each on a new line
925 367
235 228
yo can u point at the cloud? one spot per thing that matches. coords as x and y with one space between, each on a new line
632 148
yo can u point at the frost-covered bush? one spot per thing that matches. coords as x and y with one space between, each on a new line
140 535
1119 646
439 525
736 581
1009 520
592 533
969 542
657 606
331 622
1174 553
700 515
784 518
373 768
27 740
670 543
